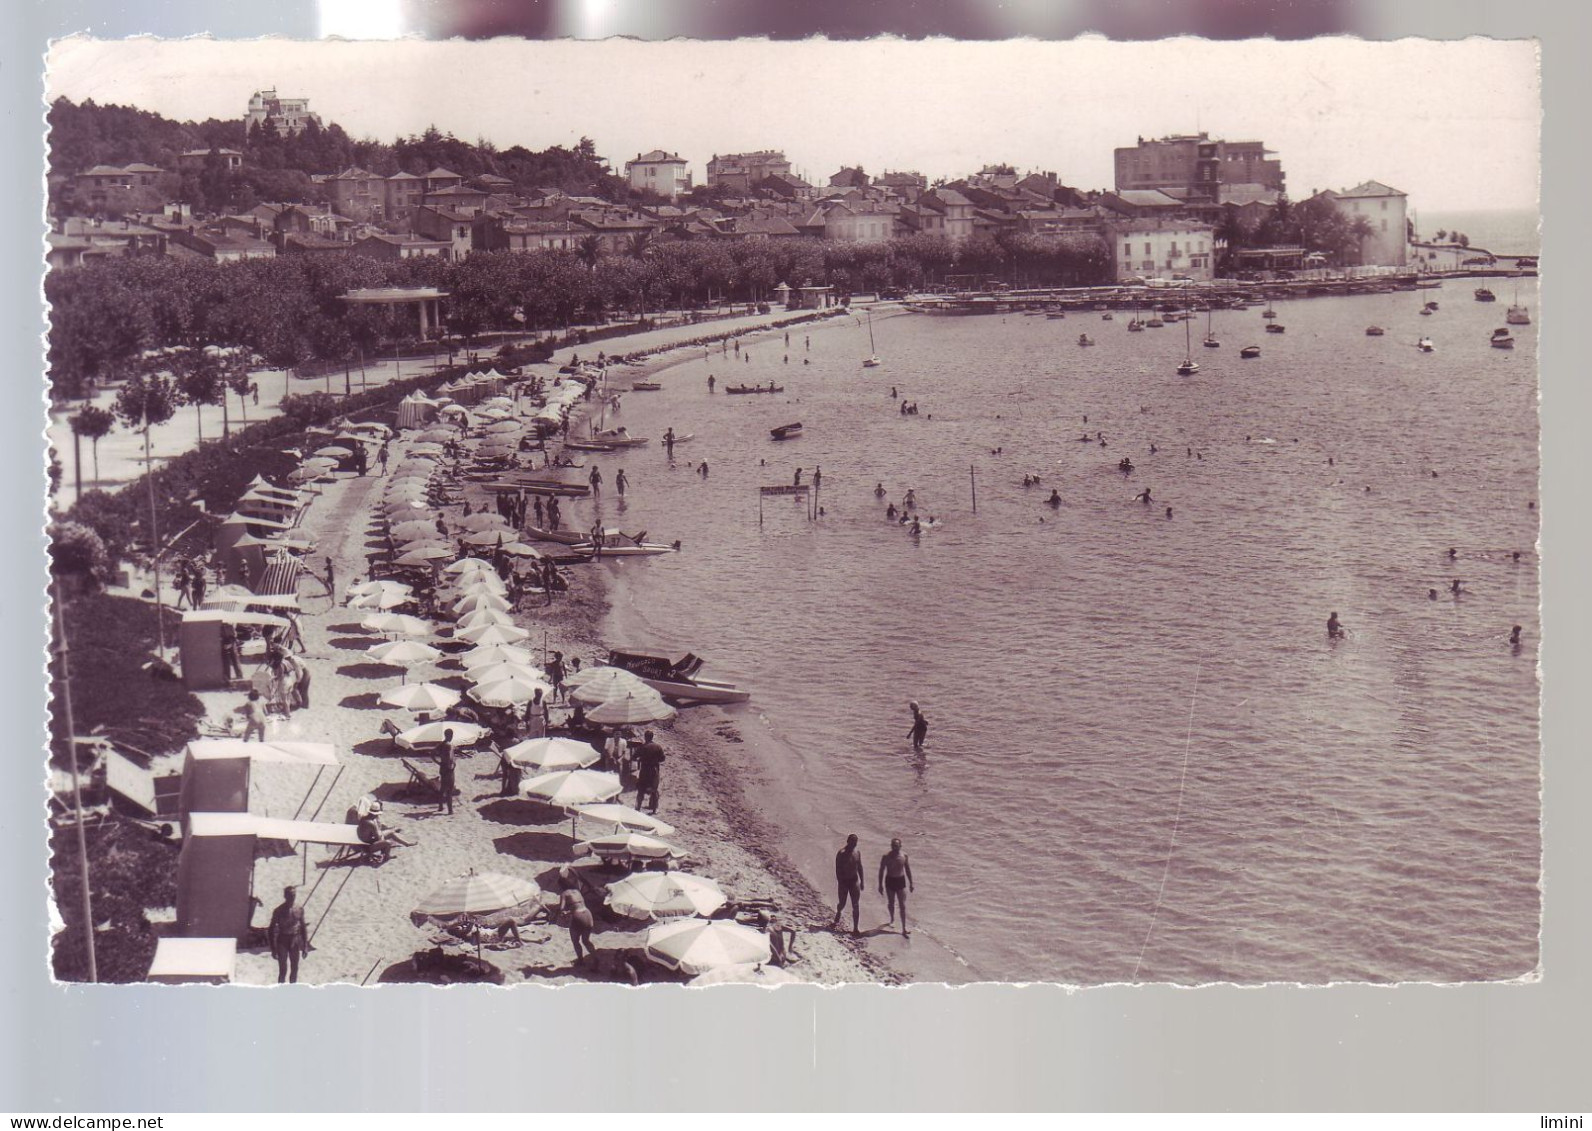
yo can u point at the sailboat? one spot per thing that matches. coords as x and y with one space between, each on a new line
1189 366
1517 315
1210 336
1271 326
1134 324
873 353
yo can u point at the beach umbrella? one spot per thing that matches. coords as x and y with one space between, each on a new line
505 669
434 542
466 566
750 974
602 682
502 427
383 598
493 634
496 654
479 895
413 529
423 557
666 895
436 435
695 946
423 450
475 893
482 520
519 550
624 817
406 508
481 618
377 585
396 624
430 734
631 709
481 582
483 599
498 447
303 475
403 653
509 692
334 452
550 754
493 537
570 788
420 697
620 846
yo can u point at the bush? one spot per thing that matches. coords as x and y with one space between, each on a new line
128 870
76 551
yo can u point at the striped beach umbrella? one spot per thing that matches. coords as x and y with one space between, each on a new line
547 755
484 599
570 788
630 710
593 685
477 892
624 817
505 669
482 520
620 846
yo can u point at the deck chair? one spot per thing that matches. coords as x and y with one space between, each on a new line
391 730
421 782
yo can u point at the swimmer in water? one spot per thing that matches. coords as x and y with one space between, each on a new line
1143 496
1168 512
1431 594
1452 554
1153 449
1055 498
1514 637
1517 555
1335 631
1455 588
890 511
878 492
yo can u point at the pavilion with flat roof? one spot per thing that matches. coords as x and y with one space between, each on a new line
424 299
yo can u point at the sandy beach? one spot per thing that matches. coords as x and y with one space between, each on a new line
359 916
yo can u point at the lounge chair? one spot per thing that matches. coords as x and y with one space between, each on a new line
392 730
421 782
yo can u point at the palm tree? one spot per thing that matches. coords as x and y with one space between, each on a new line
589 249
641 243
1360 230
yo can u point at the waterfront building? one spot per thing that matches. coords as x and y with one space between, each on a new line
946 212
667 174
1197 163
1384 207
195 159
1161 249
741 171
287 116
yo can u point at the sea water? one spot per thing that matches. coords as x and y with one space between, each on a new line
1146 760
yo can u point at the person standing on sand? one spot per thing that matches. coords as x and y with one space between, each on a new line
920 727
288 936
895 880
253 712
850 878
445 772
555 674
649 773
573 904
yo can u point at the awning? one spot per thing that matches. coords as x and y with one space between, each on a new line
271 828
193 960
299 753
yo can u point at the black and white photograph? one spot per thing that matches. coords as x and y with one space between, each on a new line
631 512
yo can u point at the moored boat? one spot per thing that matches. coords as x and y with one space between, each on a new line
1502 339
1484 295
1085 340
1275 328
786 431
1425 345
676 678
611 543
646 386
1374 331
1517 315
747 390
619 438
1249 352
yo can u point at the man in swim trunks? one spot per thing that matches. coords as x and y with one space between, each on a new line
850 877
895 880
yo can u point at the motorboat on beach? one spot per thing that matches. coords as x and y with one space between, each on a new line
1502 339
745 390
562 537
676 678
786 431
617 544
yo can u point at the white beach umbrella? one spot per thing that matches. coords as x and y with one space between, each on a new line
665 895
403 653
477 892
466 566
622 846
396 624
496 654
423 557
631 709
480 582
482 520
383 599
505 669
595 684
492 536
413 530
493 634
551 754
485 599
509 692
519 550
483 618
420 697
624 817
695 946
570 788
431 734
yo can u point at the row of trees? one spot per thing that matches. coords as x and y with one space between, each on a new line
1314 224
288 311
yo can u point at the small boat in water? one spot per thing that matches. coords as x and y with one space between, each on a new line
1275 328
1055 314
618 438
786 431
872 361
676 677
1189 366
1085 340
1210 341
746 390
1135 326
646 386
618 544
1517 315
1425 345
1107 317
1249 352
1502 339
1374 331
1484 295
1155 323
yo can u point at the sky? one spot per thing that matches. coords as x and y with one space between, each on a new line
1454 124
